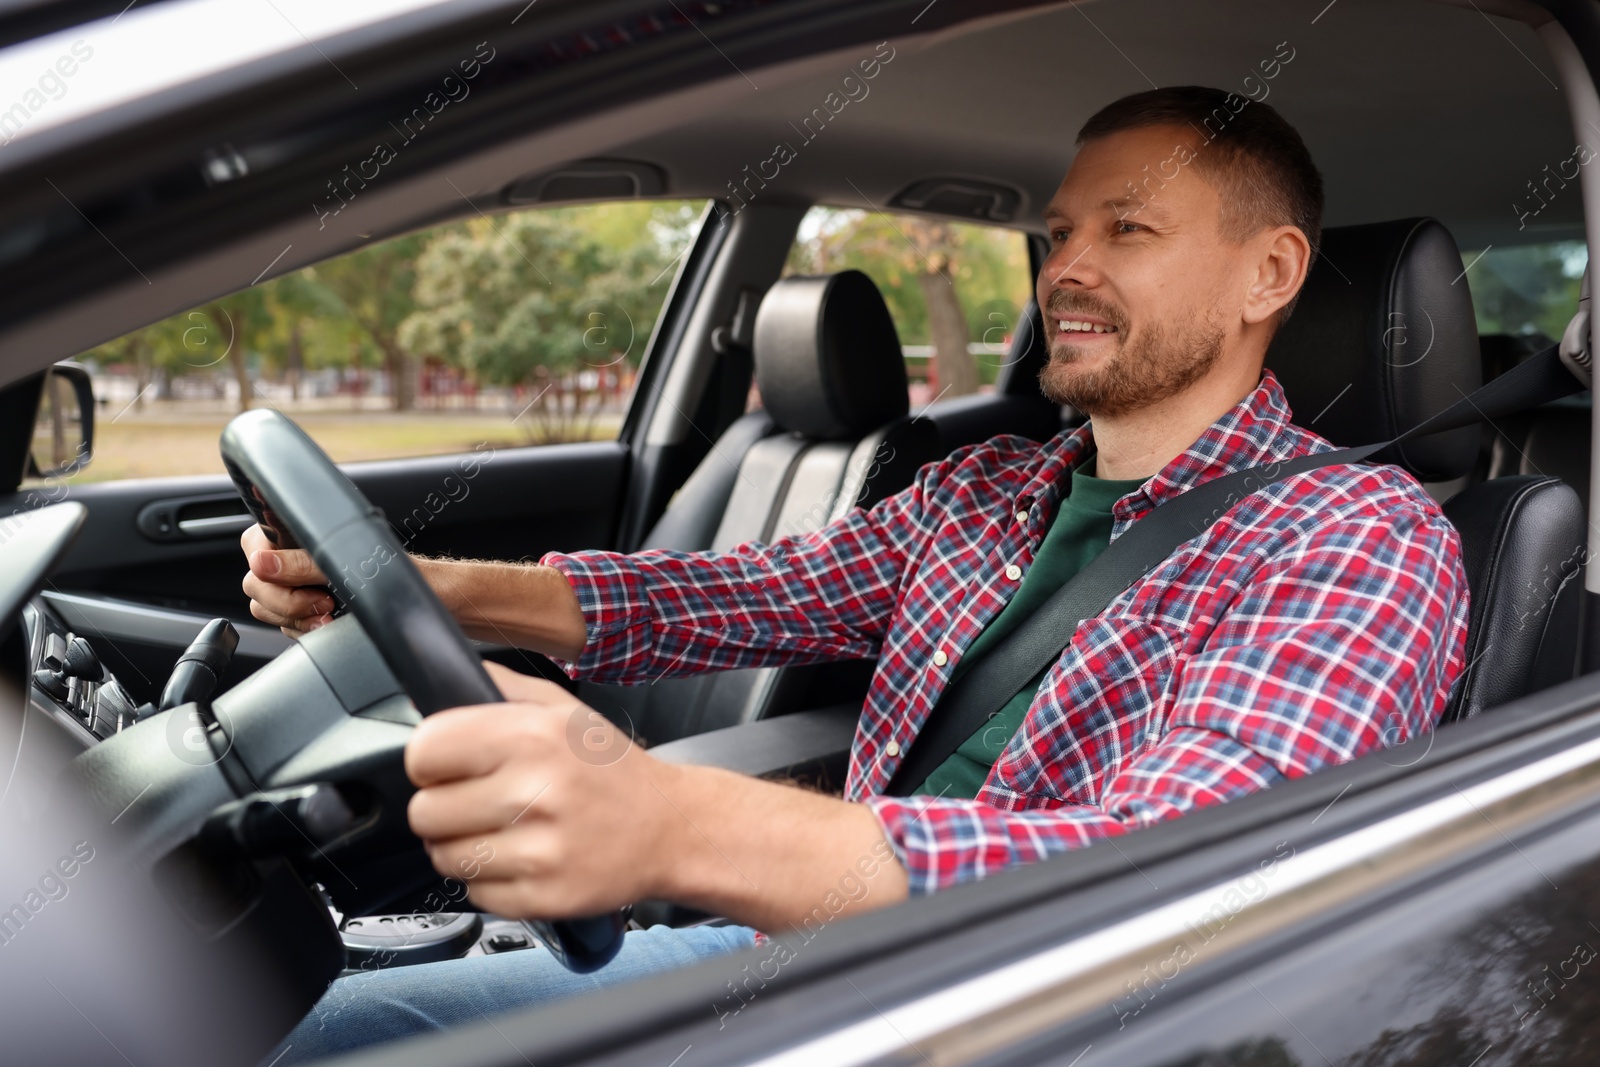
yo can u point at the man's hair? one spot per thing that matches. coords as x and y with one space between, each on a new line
1249 154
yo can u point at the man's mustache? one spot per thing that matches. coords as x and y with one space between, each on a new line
1062 305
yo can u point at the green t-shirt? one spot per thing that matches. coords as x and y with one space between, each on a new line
1079 533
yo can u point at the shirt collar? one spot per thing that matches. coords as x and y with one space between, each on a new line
1247 435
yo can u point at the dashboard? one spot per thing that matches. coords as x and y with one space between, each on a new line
69 684
40 732
327 710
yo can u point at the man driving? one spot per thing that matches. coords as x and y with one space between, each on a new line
1320 619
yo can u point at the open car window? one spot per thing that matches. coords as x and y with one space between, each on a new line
519 329
1525 290
955 290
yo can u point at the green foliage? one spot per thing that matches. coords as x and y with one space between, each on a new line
543 293
988 265
504 298
1527 288
301 305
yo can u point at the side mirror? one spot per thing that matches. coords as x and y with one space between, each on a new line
63 428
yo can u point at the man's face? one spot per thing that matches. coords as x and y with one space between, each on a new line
1137 289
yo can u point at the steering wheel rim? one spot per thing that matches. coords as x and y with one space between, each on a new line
302 500
297 494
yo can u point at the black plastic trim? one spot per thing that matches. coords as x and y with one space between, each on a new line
652 477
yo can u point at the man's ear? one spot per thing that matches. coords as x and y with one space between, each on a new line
1280 272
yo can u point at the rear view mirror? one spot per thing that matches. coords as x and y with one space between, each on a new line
63 429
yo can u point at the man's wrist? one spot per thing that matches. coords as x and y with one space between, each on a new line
527 605
680 871
432 571
764 854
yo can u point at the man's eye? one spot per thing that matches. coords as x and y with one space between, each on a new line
1059 236
1125 226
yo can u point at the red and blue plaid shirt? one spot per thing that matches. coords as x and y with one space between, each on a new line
1321 618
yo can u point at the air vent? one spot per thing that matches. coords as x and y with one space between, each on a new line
589 179
961 197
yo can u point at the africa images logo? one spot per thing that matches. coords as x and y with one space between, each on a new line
51 886
52 85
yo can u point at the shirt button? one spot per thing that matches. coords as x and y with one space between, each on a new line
1022 516
940 659
1013 572
892 748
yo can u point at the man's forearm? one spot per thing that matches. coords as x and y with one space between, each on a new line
769 855
520 604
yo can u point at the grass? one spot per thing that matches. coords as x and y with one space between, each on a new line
158 445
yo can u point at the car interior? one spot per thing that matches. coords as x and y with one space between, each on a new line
1384 335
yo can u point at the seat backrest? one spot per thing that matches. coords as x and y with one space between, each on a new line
834 434
1552 440
1556 443
1383 337
1523 634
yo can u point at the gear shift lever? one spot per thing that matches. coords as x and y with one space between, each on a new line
201 666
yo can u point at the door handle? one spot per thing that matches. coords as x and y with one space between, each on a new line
194 518
215 525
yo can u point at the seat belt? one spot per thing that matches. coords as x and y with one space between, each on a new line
1041 639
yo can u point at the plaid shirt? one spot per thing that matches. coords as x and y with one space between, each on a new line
1319 619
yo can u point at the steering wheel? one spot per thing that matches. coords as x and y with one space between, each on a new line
302 500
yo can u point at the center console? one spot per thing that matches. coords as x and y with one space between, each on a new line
69 681
73 687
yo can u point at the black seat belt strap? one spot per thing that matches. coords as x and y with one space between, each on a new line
1041 639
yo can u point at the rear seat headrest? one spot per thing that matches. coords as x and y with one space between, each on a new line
827 357
1383 337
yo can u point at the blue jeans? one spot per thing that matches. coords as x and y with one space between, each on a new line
386 1005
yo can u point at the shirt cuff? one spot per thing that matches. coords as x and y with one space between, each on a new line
616 614
905 828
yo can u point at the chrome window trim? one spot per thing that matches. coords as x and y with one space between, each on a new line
984 1015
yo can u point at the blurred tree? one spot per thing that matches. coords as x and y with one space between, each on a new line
375 286
307 317
556 301
936 244
544 300
947 284
1526 288
231 346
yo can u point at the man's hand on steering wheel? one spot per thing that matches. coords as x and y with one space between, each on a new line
554 811
286 589
507 603
549 811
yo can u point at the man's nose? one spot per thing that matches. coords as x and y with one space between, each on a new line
1071 264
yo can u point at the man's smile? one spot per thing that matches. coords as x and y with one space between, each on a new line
1081 324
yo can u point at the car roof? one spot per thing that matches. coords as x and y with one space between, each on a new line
1410 107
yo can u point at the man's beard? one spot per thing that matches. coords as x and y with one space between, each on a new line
1161 362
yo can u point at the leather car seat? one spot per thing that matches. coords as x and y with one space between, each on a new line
1382 338
835 433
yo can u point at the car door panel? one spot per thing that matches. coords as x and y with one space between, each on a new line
159 557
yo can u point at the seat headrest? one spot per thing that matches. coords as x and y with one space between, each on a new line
1383 337
827 357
